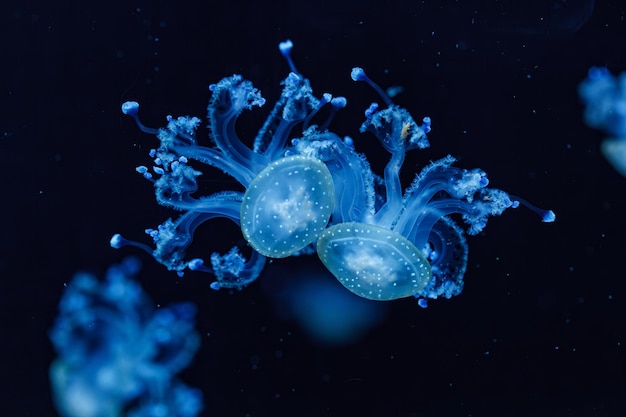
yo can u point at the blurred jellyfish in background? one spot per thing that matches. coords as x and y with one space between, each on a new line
604 96
118 355
327 313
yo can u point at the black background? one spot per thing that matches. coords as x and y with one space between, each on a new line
540 327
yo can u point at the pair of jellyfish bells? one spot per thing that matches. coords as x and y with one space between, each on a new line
373 262
287 207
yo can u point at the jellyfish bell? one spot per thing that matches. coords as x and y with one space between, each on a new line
287 205
372 261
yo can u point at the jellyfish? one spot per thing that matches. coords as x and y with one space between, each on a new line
604 96
383 243
117 353
287 200
308 191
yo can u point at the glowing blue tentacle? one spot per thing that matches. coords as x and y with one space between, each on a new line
447 254
232 271
337 103
358 74
295 104
437 177
131 108
547 216
475 214
214 158
352 176
390 211
179 138
354 180
285 48
230 97
172 238
398 133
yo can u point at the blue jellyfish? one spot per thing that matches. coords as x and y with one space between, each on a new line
384 244
604 97
315 192
288 198
117 353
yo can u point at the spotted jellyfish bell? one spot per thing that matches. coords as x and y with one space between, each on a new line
287 206
373 262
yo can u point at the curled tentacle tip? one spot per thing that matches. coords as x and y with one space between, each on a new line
371 110
548 217
358 74
285 47
339 102
143 170
326 98
117 241
196 264
294 77
285 50
130 108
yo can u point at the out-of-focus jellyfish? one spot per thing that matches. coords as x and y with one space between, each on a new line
384 244
117 354
328 314
288 198
604 96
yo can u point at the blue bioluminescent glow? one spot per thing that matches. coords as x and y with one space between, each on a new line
604 96
307 190
117 353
